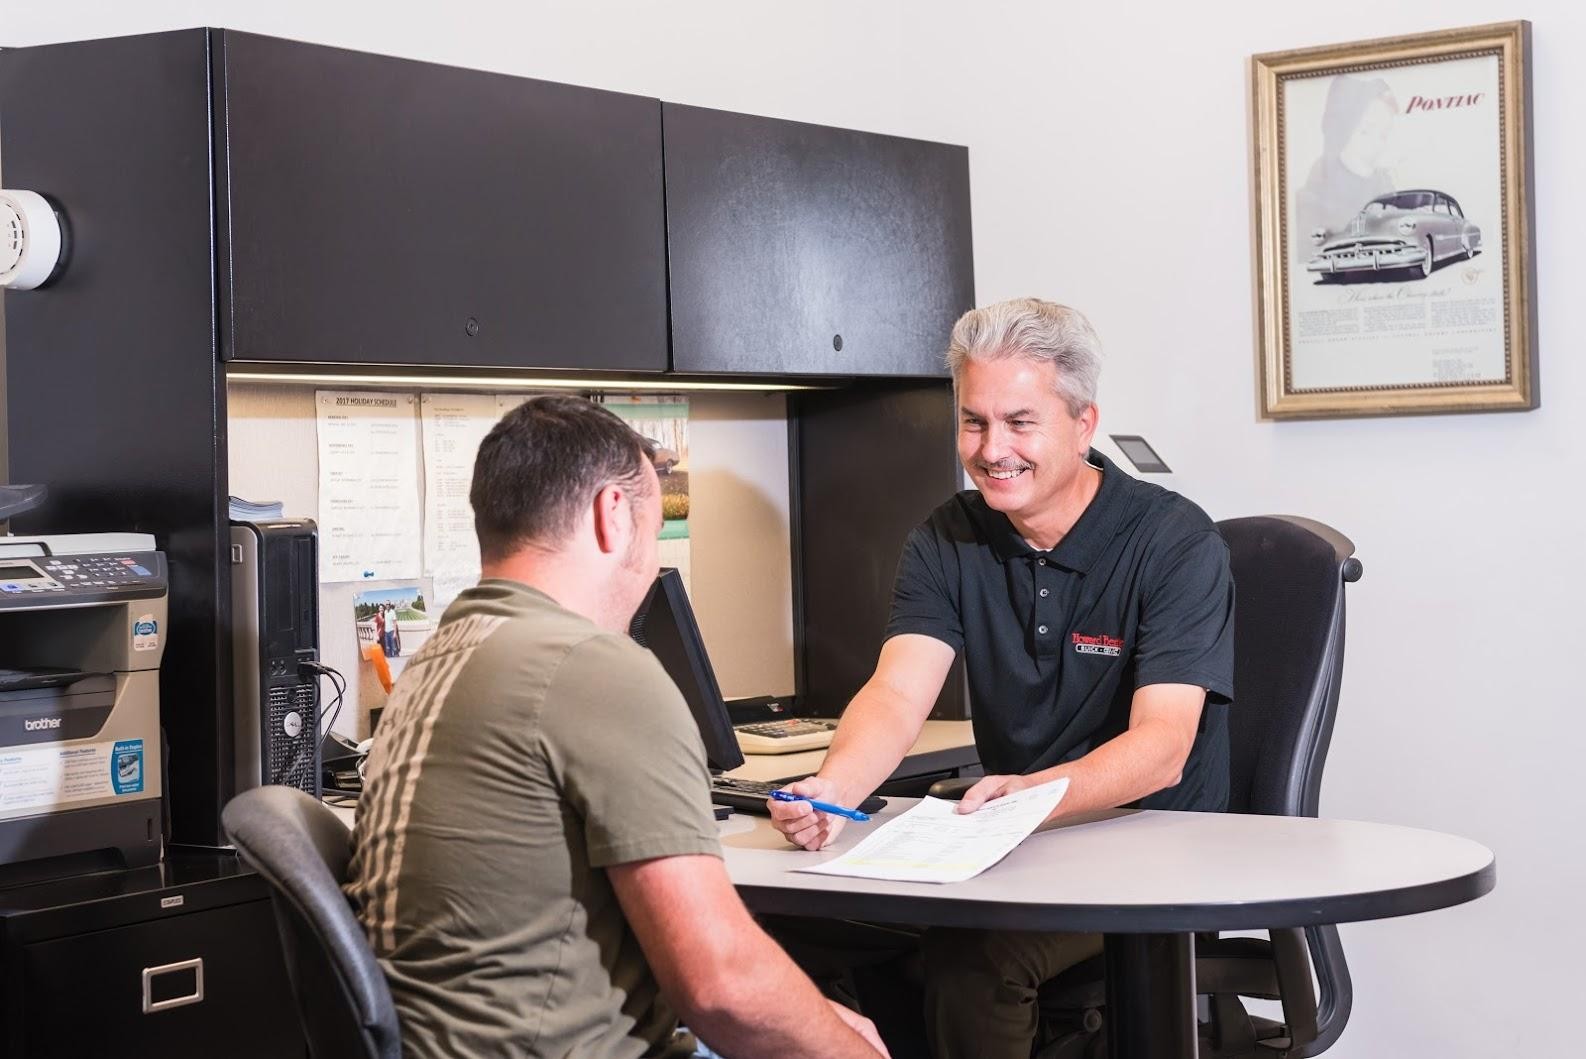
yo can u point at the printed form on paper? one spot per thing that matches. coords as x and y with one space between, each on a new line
933 842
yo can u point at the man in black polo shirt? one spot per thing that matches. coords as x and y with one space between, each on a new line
1095 613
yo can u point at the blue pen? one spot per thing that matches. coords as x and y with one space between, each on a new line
825 807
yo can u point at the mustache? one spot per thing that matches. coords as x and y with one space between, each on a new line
1004 465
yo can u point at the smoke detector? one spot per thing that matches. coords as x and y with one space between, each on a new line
30 240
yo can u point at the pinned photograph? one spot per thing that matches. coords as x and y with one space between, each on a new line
1393 225
392 622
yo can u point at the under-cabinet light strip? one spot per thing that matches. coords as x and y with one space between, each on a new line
496 382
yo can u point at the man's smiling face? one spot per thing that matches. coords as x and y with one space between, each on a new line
1022 447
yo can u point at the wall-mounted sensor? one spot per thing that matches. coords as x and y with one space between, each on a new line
1140 453
30 240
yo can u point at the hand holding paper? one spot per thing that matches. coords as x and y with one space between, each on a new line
990 788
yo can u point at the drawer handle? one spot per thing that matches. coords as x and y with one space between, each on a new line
150 1005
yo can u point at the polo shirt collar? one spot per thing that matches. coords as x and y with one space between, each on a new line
1082 545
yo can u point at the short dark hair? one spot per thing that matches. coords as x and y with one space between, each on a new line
542 463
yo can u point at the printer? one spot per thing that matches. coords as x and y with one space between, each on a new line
82 631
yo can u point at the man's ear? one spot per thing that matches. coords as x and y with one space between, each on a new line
613 522
1088 420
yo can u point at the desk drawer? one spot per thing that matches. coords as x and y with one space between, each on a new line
206 983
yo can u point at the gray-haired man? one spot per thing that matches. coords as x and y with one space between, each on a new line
1095 614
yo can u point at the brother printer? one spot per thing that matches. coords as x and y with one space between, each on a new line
82 631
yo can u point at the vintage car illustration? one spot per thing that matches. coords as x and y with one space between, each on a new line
1412 230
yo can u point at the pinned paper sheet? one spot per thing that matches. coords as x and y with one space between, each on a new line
368 486
933 842
454 425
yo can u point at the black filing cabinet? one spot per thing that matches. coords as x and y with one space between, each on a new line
181 959
384 211
805 250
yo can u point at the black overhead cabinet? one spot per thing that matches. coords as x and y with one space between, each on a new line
801 249
383 211
235 197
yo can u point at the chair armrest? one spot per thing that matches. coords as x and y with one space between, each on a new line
953 789
1292 958
1334 985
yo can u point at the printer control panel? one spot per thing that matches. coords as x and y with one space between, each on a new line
96 576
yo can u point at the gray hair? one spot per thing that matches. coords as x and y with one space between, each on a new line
1035 330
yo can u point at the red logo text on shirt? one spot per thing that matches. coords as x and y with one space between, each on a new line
1097 645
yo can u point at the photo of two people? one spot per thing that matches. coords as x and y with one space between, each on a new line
392 622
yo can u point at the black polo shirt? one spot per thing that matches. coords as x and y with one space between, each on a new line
1056 642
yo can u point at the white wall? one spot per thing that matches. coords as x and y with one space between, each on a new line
1109 163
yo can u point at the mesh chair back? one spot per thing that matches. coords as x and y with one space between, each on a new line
1289 576
301 849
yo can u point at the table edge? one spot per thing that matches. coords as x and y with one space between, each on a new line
946 911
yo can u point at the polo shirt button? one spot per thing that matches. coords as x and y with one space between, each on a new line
1040 562
1041 629
1045 592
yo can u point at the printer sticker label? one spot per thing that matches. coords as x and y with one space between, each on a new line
49 776
145 633
126 767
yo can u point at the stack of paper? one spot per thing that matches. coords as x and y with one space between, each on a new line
255 510
934 842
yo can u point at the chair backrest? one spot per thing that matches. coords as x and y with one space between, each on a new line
1289 577
302 850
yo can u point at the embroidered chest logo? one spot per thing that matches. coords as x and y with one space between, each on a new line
1097 645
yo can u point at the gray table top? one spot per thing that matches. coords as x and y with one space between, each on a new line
1131 871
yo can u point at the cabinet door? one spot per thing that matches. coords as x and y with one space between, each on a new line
86 994
378 210
800 249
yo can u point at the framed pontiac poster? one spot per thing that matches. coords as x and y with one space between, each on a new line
1393 225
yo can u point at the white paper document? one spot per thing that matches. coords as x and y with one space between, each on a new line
933 842
454 425
368 486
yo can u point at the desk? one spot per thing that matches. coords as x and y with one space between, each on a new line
943 746
1147 880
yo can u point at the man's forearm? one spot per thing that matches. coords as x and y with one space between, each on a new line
877 731
1147 758
728 980
764 1005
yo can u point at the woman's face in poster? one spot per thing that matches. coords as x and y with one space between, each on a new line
1365 146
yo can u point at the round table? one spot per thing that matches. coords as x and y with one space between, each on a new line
1148 880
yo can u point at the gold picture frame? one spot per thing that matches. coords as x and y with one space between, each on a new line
1407 163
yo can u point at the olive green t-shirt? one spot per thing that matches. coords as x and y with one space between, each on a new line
523 751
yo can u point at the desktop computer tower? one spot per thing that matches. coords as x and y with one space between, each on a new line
275 631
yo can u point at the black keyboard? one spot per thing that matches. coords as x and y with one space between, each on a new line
749 796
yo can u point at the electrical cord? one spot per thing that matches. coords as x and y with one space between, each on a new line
307 747
338 682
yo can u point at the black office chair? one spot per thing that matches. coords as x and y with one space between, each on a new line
1289 576
302 850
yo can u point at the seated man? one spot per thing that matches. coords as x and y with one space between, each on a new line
536 862
1095 615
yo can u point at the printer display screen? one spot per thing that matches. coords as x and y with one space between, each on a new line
19 573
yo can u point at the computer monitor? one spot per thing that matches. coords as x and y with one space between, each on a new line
665 624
